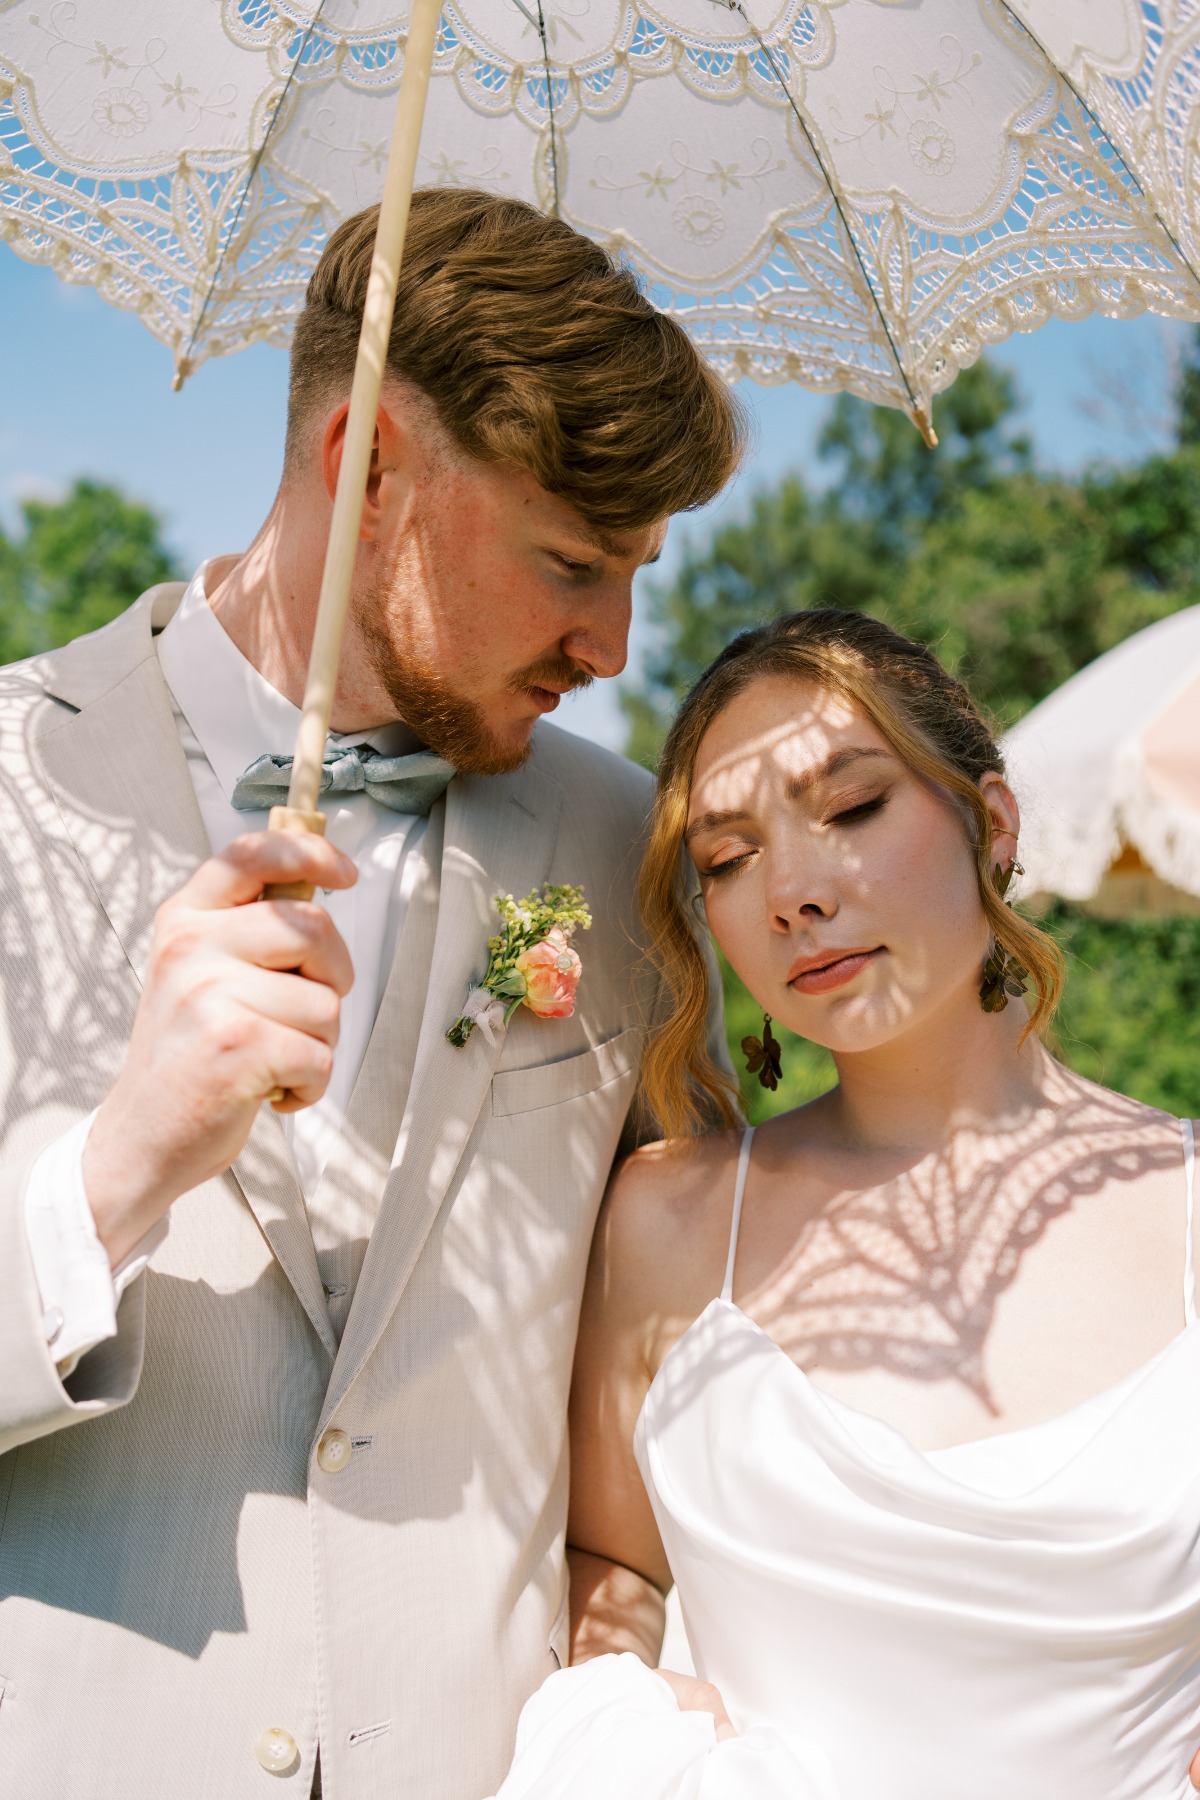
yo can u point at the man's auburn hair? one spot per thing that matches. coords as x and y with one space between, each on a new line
536 349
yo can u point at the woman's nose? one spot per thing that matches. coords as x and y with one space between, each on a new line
798 893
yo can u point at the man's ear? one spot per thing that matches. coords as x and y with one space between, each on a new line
1006 816
388 473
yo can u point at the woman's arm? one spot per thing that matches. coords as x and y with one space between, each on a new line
613 1609
619 1572
656 1253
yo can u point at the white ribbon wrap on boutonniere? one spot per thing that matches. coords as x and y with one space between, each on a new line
483 1009
530 963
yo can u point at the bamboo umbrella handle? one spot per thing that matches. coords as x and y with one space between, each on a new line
300 813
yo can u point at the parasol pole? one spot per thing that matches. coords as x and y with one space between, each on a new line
304 788
300 813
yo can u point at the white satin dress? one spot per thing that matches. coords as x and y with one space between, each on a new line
1012 1619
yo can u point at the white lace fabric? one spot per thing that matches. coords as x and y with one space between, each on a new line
853 194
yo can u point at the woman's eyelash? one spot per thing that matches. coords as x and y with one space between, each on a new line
852 815
716 870
863 810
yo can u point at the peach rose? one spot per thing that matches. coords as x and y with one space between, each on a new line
551 970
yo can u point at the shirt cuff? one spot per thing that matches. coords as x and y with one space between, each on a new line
79 1291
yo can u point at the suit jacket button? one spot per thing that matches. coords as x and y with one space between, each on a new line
276 1751
333 1451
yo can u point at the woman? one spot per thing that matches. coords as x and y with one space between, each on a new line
903 1389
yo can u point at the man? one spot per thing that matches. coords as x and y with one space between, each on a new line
284 1390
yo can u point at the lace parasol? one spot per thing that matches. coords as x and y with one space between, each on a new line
851 194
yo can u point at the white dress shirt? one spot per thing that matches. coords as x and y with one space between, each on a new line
227 715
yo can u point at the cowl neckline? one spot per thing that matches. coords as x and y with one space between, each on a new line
864 1449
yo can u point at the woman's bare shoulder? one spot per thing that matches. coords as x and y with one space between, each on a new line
666 1216
1085 1106
663 1187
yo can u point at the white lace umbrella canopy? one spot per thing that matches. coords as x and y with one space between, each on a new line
851 194
1107 771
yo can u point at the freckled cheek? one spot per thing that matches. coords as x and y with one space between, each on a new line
929 891
492 623
471 575
737 916
720 913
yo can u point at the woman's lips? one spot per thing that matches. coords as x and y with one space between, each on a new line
833 974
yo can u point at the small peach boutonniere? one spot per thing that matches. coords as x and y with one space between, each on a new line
530 962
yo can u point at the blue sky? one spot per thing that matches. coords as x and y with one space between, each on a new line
85 390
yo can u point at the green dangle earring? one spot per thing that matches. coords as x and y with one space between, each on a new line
764 1059
1003 975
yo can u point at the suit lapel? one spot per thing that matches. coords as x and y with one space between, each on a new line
500 835
123 790
346 1204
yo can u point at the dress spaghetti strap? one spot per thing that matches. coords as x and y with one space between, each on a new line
739 1191
1189 1264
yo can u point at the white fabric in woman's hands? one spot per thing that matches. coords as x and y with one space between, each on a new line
612 1728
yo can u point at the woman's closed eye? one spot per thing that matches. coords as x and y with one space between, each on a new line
725 865
858 810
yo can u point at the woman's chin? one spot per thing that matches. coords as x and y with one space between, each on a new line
850 1026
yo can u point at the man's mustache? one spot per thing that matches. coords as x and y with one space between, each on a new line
558 672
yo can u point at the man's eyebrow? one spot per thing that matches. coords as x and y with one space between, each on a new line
833 765
611 546
600 540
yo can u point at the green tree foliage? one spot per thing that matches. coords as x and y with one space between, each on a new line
1187 398
1026 581
1131 1014
1017 578
75 565
14 620
886 479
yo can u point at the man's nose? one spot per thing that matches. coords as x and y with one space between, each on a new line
600 643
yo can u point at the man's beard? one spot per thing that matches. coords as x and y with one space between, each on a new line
448 723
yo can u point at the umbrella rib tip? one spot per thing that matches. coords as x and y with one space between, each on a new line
924 424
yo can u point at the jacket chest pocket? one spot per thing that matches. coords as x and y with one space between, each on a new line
550 1084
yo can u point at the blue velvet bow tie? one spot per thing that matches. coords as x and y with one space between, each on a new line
408 784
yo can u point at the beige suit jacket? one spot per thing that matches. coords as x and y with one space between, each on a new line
177 1571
